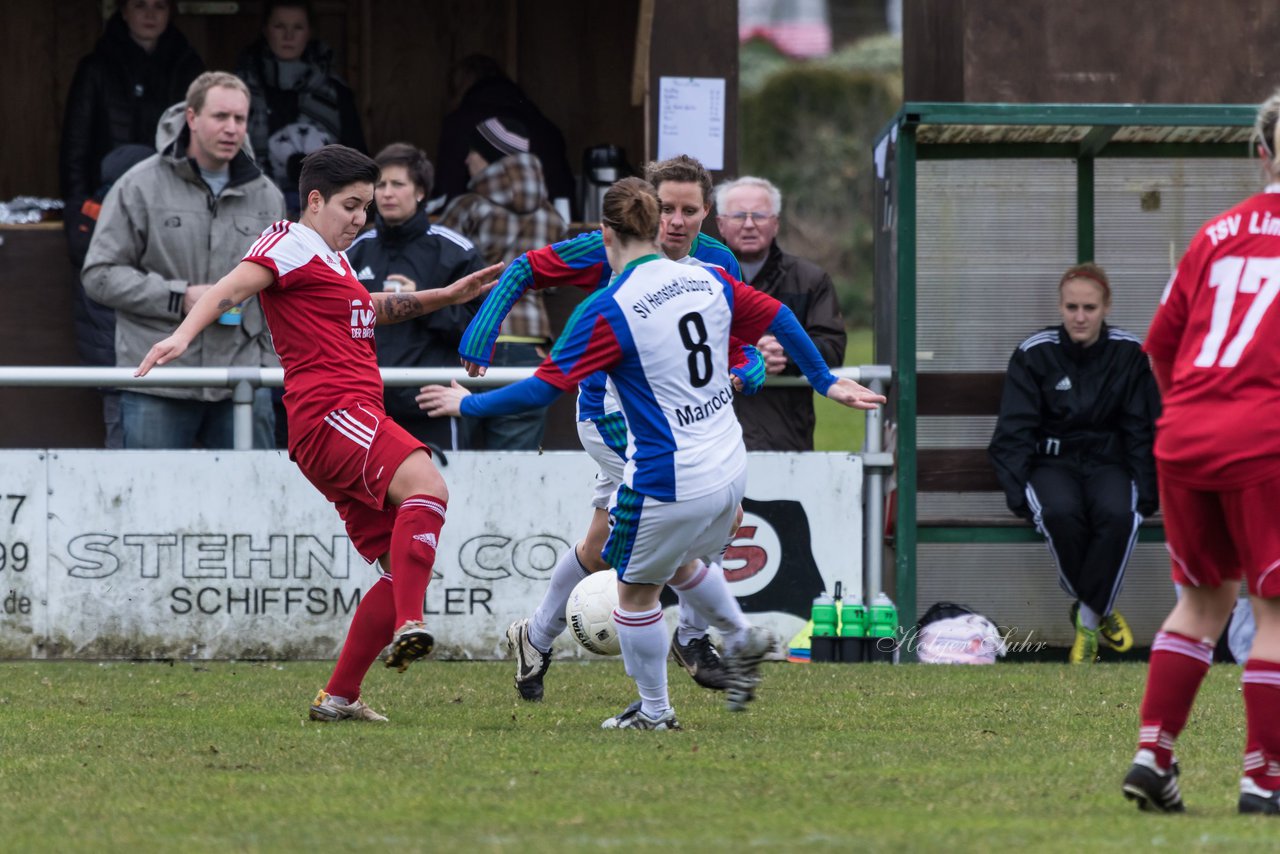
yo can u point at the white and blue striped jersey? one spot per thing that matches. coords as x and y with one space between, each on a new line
661 331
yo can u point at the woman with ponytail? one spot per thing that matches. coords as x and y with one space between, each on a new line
661 331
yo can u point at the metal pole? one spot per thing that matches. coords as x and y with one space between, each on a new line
873 514
905 383
242 399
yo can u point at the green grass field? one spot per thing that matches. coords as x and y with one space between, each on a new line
840 428
220 757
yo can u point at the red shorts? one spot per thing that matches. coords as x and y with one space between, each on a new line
1224 535
351 457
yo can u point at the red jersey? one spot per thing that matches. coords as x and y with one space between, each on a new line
1219 325
321 320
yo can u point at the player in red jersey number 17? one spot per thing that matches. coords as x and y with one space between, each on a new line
1215 351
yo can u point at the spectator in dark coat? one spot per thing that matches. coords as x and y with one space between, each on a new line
481 90
140 66
95 324
298 104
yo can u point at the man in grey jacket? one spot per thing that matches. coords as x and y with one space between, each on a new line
169 228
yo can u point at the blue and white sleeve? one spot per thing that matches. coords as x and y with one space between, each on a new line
799 346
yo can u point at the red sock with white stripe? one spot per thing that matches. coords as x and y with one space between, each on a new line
1262 719
371 629
413 553
643 636
1177 667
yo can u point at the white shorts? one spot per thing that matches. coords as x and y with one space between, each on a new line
651 539
612 464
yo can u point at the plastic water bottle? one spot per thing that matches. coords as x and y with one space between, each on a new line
883 617
853 619
824 616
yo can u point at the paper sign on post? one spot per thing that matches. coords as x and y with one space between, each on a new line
691 119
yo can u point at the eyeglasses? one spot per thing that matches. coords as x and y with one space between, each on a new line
754 216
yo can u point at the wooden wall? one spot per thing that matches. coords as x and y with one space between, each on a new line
1086 51
574 58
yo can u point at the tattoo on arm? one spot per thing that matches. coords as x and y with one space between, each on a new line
393 308
225 304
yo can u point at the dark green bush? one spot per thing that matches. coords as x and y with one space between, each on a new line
810 128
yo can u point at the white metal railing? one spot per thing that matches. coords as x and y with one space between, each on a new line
876 462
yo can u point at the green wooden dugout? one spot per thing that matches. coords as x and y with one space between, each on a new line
980 207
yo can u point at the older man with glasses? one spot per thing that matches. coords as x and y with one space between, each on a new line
778 419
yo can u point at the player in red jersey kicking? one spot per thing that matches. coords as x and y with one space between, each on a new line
1215 348
381 480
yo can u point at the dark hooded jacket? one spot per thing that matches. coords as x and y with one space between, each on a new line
499 96
117 97
95 324
286 124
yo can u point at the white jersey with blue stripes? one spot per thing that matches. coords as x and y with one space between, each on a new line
670 323
594 401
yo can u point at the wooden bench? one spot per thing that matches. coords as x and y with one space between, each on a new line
963 471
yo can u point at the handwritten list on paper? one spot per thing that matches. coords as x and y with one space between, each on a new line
691 119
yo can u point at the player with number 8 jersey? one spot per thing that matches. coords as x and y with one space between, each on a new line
661 330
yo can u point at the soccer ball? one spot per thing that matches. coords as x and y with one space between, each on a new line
590 613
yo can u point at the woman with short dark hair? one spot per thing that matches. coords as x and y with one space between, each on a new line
379 478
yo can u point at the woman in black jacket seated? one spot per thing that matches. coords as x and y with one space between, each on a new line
1073 450
297 103
405 252
140 66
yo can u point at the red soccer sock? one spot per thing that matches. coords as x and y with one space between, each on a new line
1177 667
371 629
413 553
1262 718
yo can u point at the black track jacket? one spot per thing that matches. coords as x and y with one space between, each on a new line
1064 404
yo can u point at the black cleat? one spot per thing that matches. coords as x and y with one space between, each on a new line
1153 789
531 662
1255 800
700 657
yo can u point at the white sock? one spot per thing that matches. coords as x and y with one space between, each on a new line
548 620
708 593
643 636
1089 618
692 623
